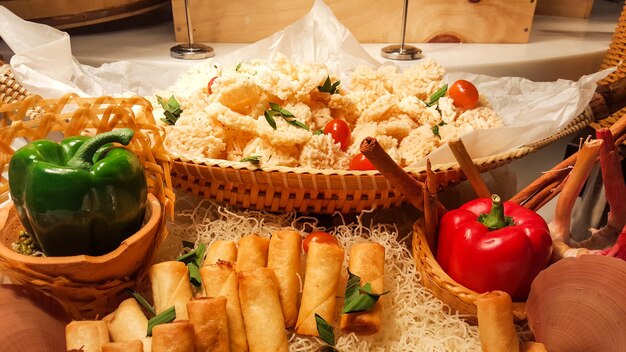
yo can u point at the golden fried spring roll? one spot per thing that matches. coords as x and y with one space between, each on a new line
177 336
210 324
495 322
124 346
530 346
221 250
261 310
86 335
220 280
367 261
322 276
252 252
170 287
128 323
284 259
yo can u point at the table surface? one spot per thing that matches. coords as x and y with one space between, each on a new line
558 47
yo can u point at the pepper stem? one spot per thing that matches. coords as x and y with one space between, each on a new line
83 157
495 219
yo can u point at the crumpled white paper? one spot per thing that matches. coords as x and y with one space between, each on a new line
531 110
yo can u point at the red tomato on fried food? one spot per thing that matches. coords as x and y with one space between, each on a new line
319 237
340 131
464 94
360 162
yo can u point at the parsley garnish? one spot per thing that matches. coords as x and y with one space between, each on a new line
194 260
325 330
435 128
254 159
329 87
358 298
164 317
238 67
277 110
172 110
438 94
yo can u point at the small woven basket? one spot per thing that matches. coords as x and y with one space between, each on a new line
87 286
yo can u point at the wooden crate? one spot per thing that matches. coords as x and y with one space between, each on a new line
565 8
65 14
371 21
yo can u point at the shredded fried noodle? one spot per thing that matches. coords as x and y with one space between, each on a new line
413 320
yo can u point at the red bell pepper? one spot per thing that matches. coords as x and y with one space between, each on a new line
485 245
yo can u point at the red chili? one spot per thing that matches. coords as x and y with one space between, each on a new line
210 91
486 245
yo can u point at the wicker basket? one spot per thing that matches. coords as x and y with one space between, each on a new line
64 277
285 189
534 196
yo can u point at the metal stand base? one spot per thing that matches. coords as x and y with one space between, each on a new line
398 52
191 51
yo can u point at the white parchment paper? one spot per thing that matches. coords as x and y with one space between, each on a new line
43 62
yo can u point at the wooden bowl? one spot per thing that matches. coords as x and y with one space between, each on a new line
124 261
31 321
458 297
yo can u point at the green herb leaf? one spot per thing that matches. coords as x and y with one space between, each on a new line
254 159
358 298
172 109
164 317
143 301
329 87
442 123
435 130
276 109
438 94
270 119
238 67
193 260
325 330
317 132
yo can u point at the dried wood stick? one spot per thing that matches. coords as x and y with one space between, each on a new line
469 169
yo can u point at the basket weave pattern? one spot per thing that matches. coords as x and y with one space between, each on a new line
86 116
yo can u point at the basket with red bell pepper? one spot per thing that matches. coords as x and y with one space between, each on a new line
487 245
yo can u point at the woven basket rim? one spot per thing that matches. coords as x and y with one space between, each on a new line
154 220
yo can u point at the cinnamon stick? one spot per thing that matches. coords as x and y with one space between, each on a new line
431 220
469 168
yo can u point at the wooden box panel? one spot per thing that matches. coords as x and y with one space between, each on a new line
566 8
371 21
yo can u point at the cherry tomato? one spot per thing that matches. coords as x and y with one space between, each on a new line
360 162
319 237
210 84
464 94
340 131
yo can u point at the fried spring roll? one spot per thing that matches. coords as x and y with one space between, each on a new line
128 323
210 324
170 287
284 259
530 346
495 322
221 280
86 335
221 250
367 261
177 336
261 310
252 253
124 346
323 271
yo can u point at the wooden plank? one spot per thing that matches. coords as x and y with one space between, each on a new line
565 8
371 21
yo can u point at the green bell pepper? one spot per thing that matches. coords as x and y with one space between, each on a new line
80 196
